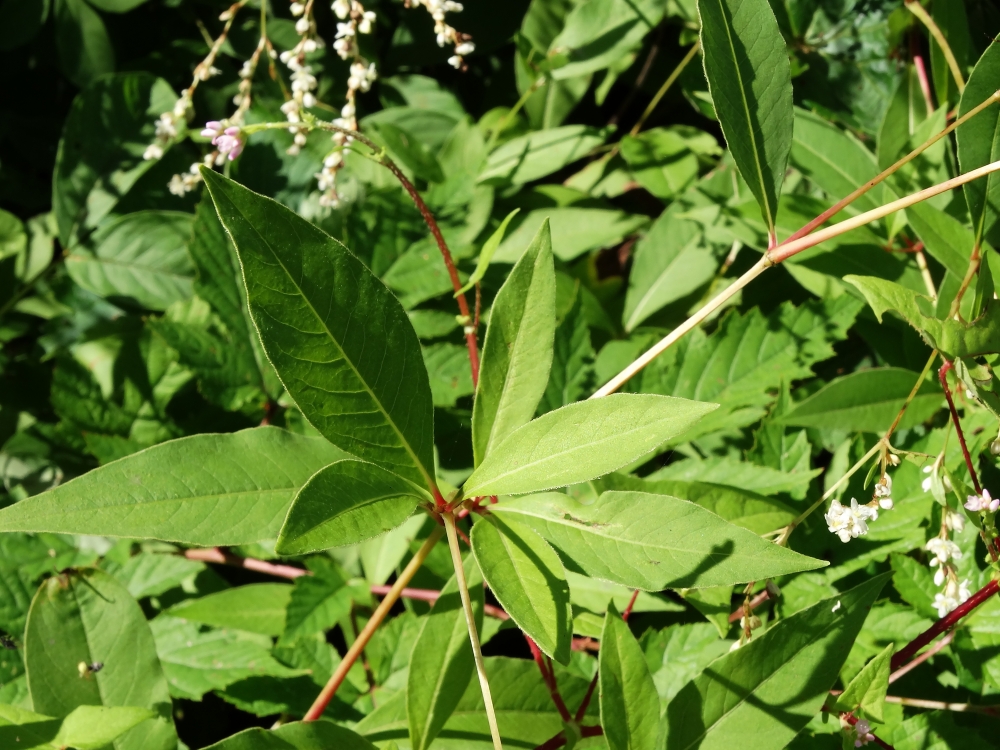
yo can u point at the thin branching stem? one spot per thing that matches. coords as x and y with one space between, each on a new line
920 12
470 621
918 660
943 377
671 79
326 695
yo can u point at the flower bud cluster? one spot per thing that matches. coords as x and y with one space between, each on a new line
849 521
170 124
304 83
447 34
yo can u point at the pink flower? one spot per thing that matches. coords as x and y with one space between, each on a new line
863 732
228 141
982 502
212 130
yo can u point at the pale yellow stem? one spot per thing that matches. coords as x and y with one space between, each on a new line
918 10
470 619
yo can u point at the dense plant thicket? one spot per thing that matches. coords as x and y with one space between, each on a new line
565 373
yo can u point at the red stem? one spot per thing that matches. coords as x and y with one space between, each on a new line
631 603
905 654
549 677
560 739
449 262
217 555
582 710
940 645
943 377
925 84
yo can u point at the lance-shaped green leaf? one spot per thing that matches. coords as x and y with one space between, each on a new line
86 727
652 542
486 254
750 80
527 578
759 696
630 706
341 343
313 735
256 608
517 353
537 154
979 140
87 616
953 338
868 688
204 489
947 239
866 401
442 662
345 503
582 441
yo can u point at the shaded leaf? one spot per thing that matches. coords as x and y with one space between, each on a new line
255 608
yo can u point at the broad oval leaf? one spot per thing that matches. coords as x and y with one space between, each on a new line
582 441
575 230
140 257
652 542
630 706
87 616
313 735
517 352
255 608
979 141
340 341
793 665
530 157
866 401
442 664
527 578
345 503
750 80
204 489
85 728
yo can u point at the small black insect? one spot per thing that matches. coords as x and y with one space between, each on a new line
7 642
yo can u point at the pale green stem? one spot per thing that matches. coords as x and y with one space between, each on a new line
470 620
777 255
918 10
536 84
671 79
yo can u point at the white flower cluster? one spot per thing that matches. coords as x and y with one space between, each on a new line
446 34
354 20
303 81
849 521
955 593
168 127
883 492
944 550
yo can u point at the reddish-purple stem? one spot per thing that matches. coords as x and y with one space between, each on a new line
905 654
631 603
560 739
218 555
905 669
943 377
548 676
754 603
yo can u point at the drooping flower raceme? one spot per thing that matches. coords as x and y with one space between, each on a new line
954 593
849 522
944 551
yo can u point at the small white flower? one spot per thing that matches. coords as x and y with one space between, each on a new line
954 594
153 151
982 502
344 30
309 45
347 111
940 574
297 9
455 61
302 26
365 24
465 48
849 522
943 551
954 520
341 8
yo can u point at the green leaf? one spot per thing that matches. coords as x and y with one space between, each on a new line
665 160
87 616
582 441
517 353
744 362
196 661
419 274
527 578
652 542
410 152
313 735
326 324
152 574
868 688
100 155
953 338
345 503
979 141
255 608
449 372
530 157
671 261
571 377
953 22
575 231
630 707
947 239
85 49
593 595
762 694
318 602
140 257
116 6
442 664
20 20
749 78
486 254
599 33
833 159
85 728
204 489
866 401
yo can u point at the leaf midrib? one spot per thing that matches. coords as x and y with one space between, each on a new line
364 384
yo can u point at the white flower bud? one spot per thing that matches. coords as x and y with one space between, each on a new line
297 9
302 26
465 48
